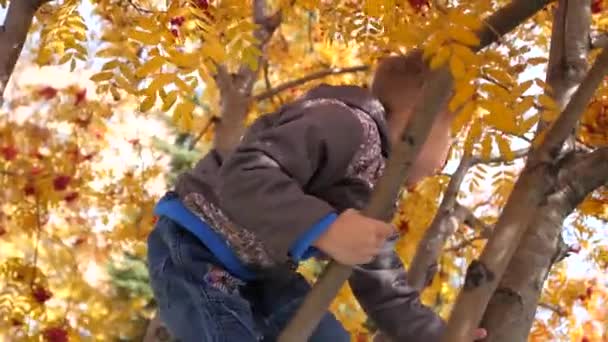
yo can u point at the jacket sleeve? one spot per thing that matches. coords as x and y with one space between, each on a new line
382 290
261 184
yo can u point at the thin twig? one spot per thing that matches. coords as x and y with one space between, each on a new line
558 310
203 131
141 9
599 40
500 159
308 78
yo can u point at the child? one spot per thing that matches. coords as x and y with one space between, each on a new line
223 254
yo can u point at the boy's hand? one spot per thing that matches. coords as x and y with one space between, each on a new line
353 238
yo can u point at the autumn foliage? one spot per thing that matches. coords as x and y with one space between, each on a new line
80 167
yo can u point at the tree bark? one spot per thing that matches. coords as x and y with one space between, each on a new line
538 179
235 88
423 266
13 34
520 289
435 94
511 310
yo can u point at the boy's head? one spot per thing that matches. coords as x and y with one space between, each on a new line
398 83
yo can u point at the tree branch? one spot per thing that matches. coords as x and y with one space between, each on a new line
599 40
564 125
444 224
19 17
314 76
584 173
435 94
558 310
500 159
527 201
235 89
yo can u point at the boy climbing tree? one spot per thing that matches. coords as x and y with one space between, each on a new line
223 254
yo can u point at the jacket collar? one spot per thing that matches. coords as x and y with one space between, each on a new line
359 98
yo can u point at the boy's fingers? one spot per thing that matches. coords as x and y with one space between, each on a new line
480 333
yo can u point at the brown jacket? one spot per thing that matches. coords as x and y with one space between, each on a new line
316 156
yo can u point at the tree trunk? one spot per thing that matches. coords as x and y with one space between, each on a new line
511 311
13 34
435 92
538 179
518 293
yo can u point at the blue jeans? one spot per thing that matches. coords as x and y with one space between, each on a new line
199 301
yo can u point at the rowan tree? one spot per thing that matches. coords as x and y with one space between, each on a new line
492 240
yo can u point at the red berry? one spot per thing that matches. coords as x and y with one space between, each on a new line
175 32
596 6
575 248
9 152
2 231
202 4
585 339
418 4
71 197
589 291
134 142
36 170
55 334
80 97
29 190
47 92
61 182
177 21
41 295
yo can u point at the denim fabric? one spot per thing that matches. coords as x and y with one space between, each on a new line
199 301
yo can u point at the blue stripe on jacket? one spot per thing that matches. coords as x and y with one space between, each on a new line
171 206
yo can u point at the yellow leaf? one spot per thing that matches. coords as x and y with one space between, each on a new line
184 60
467 20
110 65
182 115
183 86
102 76
65 58
463 116
547 102
457 66
169 100
463 36
462 95
159 81
112 36
147 103
466 54
536 60
500 76
527 124
148 23
494 91
148 38
474 134
486 147
124 84
151 66
440 58
500 117
433 43
505 149
523 106
549 115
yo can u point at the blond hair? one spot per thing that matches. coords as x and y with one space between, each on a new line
398 80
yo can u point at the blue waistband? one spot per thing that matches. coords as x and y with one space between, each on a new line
171 207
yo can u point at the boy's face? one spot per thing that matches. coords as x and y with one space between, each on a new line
434 151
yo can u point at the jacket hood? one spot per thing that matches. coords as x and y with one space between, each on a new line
359 98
